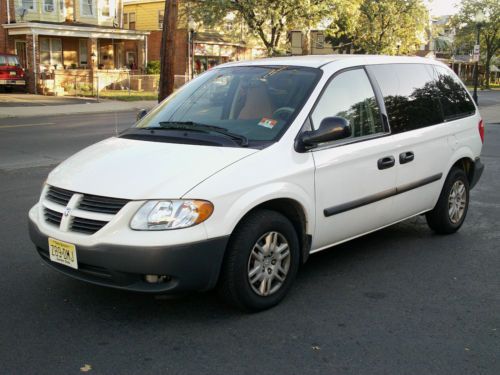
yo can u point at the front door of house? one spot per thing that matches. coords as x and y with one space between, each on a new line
21 52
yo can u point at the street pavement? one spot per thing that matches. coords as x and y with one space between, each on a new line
20 105
399 301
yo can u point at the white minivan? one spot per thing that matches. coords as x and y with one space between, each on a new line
236 178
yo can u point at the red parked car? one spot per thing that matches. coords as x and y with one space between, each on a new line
11 72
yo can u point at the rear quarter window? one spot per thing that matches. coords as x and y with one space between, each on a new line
455 101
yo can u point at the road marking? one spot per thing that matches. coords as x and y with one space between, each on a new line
26 125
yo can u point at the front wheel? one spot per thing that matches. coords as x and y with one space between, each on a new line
450 211
261 261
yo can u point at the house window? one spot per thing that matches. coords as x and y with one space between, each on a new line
161 15
131 21
51 52
28 4
320 40
125 20
83 52
87 7
105 8
48 6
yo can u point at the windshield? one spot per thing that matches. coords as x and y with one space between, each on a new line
8 60
256 103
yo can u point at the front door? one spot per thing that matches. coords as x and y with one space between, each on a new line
355 177
21 52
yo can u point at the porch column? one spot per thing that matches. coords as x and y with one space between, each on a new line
141 55
92 57
92 53
32 62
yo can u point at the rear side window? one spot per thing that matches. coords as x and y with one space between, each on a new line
410 94
350 95
455 100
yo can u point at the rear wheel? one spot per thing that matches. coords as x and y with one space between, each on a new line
451 209
261 262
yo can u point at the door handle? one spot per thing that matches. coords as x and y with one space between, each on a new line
386 162
406 157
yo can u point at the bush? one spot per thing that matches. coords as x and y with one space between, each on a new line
153 67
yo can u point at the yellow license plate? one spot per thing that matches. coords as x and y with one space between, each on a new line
63 253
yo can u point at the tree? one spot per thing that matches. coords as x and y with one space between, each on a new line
381 26
490 41
268 20
167 76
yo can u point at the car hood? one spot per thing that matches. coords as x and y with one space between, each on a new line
136 169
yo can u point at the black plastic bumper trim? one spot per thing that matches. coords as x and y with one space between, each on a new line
477 173
190 267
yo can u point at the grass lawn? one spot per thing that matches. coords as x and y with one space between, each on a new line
493 86
129 97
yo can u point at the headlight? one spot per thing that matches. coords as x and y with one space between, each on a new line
171 214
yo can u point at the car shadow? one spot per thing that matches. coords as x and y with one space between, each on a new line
329 266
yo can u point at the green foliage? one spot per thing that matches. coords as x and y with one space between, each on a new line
465 21
267 20
378 27
153 67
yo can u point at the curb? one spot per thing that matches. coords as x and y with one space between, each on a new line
61 111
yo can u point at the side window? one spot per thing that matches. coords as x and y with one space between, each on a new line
455 101
350 95
410 94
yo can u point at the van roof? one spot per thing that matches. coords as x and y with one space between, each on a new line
317 61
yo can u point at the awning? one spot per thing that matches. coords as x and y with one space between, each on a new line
61 30
215 38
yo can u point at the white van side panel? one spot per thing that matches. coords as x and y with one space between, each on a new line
274 173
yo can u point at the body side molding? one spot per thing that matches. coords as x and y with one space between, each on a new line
335 210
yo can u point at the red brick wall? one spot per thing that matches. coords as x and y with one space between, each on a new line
181 61
154 45
4 42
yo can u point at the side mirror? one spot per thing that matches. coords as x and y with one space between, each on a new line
331 129
141 114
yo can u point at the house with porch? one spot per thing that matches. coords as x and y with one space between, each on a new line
62 43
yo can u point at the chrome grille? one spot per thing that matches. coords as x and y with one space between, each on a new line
103 205
86 225
59 196
53 217
100 207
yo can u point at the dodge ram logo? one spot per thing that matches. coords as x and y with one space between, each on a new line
67 211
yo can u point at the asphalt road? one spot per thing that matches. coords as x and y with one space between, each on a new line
399 301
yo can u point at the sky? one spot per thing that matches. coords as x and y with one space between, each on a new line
442 7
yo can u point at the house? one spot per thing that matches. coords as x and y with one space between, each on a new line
62 42
197 48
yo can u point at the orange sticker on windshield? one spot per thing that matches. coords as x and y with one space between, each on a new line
267 122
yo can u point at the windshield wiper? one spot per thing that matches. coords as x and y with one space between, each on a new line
196 126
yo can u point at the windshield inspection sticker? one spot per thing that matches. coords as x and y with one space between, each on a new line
267 122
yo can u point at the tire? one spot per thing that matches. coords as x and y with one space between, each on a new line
256 278
451 209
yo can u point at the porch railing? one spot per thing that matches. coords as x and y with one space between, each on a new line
117 84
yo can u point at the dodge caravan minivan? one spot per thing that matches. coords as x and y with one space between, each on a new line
235 179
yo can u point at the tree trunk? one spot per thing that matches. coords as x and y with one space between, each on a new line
167 74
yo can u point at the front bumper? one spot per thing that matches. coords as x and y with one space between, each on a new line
13 82
476 172
189 267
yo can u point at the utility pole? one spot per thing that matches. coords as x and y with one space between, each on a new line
168 49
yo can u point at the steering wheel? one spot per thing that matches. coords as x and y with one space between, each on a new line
283 113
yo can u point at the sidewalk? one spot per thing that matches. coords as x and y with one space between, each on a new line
15 108
490 114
